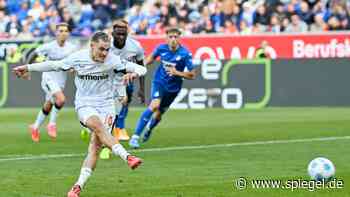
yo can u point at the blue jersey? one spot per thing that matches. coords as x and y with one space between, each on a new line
180 59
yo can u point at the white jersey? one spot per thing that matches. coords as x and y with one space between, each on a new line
132 51
52 51
93 80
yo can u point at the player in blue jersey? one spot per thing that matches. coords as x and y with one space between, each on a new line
166 84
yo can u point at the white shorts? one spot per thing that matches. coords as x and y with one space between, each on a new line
105 113
50 87
119 91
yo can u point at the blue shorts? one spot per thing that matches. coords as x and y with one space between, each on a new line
129 91
166 97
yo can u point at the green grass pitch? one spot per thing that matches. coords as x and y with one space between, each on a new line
49 168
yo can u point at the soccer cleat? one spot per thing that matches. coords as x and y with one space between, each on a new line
74 192
134 162
35 133
134 143
105 153
123 135
146 136
52 130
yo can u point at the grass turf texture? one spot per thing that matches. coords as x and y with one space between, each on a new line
206 172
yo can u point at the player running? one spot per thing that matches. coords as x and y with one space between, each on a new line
166 84
52 82
94 104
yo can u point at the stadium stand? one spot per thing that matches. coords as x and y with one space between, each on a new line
26 19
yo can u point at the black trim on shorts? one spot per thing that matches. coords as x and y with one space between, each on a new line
47 86
114 123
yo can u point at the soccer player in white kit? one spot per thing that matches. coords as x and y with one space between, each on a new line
131 50
94 104
52 82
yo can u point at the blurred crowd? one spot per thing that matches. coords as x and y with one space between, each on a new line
26 19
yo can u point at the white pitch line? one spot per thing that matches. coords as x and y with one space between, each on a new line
177 148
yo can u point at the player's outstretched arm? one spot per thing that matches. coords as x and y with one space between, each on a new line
135 68
45 66
22 71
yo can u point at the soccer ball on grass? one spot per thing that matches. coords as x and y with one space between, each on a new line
321 168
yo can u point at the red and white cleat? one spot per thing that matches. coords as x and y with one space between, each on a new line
74 192
134 162
52 130
35 133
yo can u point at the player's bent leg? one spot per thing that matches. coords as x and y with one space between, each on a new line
96 125
166 101
89 165
143 121
34 128
157 117
94 148
58 104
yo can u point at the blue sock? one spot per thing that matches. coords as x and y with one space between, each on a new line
122 116
154 122
145 117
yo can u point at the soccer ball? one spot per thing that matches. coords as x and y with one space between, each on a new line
321 168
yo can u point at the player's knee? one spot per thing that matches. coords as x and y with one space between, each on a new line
59 102
95 124
47 108
95 127
158 115
98 129
125 101
154 108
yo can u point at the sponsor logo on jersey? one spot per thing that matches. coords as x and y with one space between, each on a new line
93 77
168 64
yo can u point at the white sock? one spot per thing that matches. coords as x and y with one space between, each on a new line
40 118
118 149
135 136
53 114
85 173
